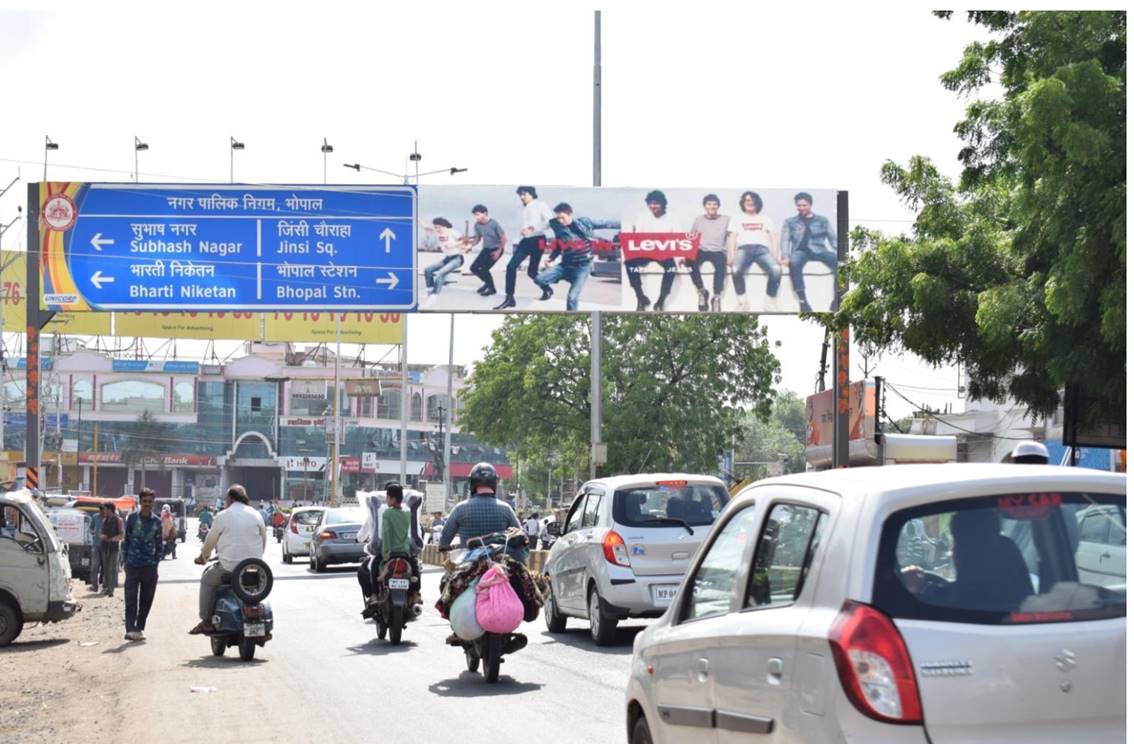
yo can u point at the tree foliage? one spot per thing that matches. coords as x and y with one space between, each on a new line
1017 271
779 437
674 389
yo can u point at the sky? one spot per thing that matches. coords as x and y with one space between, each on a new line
698 94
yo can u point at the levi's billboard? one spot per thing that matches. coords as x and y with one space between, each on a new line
537 248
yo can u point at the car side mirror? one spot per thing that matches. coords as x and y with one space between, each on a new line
554 529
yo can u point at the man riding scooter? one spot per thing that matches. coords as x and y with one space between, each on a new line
484 514
237 533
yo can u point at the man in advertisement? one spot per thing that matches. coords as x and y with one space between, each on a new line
712 230
533 231
807 237
491 238
451 249
654 219
752 241
574 247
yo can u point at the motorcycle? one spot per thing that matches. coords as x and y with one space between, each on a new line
395 587
278 531
241 617
490 648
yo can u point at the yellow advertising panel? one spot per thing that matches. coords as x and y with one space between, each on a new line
237 326
356 328
14 276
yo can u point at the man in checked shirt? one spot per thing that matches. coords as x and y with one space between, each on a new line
482 514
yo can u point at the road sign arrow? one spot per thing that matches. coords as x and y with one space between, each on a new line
391 282
388 235
97 241
97 279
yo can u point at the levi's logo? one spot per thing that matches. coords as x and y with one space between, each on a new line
660 246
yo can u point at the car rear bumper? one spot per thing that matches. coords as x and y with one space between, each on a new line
340 552
628 595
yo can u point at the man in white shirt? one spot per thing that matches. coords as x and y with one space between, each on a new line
531 528
533 234
655 219
238 532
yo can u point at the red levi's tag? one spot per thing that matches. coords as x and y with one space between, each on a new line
659 246
1029 505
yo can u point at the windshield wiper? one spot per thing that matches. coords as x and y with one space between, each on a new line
671 520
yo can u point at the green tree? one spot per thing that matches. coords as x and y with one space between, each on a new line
778 438
674 389
1017 271
144 440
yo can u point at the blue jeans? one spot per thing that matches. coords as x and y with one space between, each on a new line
800 257
577 274
760 255
435 274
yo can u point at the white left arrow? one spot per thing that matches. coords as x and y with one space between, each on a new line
97 241
388 235
390 283
97 279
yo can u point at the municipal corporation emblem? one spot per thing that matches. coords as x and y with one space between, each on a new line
59 212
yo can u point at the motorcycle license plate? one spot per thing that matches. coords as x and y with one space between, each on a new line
399 583
85 561
254 630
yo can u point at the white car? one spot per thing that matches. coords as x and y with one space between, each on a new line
300 529
624 548
908 603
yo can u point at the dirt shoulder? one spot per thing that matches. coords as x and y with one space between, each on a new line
57 680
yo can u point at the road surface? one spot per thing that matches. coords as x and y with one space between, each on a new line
325 676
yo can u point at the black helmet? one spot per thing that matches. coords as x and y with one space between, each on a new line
483 474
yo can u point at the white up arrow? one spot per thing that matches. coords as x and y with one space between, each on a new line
388 235
97 242
97 279
391 282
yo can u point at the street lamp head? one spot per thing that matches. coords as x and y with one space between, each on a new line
236 145
356 166
455 171
326 147
139 145
48 144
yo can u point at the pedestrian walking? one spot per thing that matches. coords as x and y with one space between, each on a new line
143 547
169 531
112 535
531 529
96 550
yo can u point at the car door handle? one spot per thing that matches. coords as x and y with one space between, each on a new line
703 670
1106 555
775 667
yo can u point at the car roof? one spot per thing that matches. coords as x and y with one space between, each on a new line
879 481
640 479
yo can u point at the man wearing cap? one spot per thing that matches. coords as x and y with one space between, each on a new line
1030 453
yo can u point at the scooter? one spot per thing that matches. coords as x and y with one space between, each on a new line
490 648
241 617
395 587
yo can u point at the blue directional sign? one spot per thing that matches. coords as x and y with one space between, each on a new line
233 247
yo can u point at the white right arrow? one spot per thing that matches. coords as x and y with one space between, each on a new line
391 282
388 235
97 279
97 241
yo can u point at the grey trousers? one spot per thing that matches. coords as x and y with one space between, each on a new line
210 580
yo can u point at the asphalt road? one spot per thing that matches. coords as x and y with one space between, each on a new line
326 677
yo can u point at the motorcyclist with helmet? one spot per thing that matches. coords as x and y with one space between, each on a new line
483 514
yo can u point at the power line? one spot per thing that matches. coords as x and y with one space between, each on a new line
935 417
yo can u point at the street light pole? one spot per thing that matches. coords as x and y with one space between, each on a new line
233 147
449 412
138 147
326 149
48 146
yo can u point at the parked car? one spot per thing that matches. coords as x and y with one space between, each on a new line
1101 555
625 545
300 528
35 576
807 616
335 538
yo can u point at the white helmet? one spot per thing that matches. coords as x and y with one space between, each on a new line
1030 452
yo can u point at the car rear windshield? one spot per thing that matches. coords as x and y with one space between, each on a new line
308 518
343 516
1009 559
667 505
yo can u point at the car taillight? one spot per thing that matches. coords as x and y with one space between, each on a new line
874 665
398 567
614 548
327 535
295 526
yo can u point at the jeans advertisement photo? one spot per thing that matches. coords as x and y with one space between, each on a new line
578 249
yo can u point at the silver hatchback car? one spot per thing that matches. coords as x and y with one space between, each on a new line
895 605
625 546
